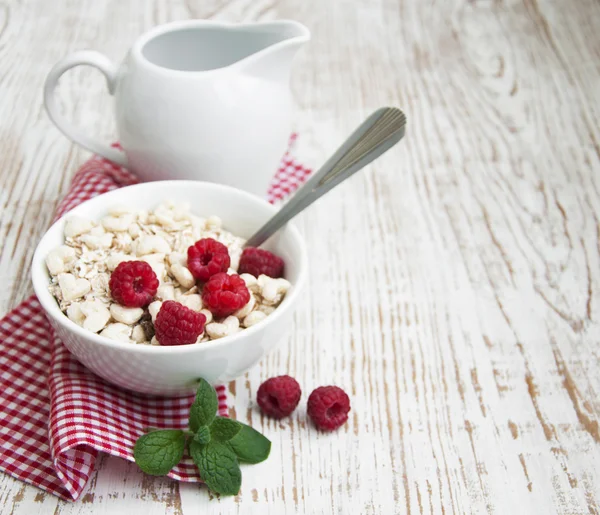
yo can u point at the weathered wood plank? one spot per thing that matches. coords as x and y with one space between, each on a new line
454 289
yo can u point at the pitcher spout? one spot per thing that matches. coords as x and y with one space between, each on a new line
285 31
277 43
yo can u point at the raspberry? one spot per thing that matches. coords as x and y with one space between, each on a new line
177 325
224 294
133 284
328 407
206 258
279 396
258 261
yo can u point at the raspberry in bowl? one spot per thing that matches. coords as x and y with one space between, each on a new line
113 288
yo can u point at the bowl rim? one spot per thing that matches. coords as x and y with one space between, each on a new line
53 311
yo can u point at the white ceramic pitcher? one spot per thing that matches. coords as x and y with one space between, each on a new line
197 100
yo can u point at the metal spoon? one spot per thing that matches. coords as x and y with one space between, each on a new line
377 134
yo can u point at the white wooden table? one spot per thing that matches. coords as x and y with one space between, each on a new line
454 288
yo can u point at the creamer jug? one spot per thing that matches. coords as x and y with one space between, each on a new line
197 100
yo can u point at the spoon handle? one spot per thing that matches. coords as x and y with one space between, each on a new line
377 134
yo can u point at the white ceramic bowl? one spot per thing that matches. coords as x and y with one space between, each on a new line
174 370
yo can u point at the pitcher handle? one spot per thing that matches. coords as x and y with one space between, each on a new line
103 64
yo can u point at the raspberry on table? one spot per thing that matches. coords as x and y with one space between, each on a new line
328 407
279 396
133 284
259 261
224 294
177 325
207 257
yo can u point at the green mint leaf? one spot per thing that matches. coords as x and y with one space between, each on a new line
205 406
218 467
249 445
202 436
158 452
224 429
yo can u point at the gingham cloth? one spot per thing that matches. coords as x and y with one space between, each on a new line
55 415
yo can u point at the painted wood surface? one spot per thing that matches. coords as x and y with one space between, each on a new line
455 285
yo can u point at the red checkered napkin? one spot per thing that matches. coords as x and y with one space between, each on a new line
55 415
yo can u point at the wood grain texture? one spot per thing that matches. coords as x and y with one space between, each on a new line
455 285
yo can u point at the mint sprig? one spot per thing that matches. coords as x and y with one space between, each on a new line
202 435
218 466
224 429
216 444
159 451
250 446
204 407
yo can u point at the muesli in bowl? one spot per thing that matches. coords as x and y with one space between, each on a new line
162 277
